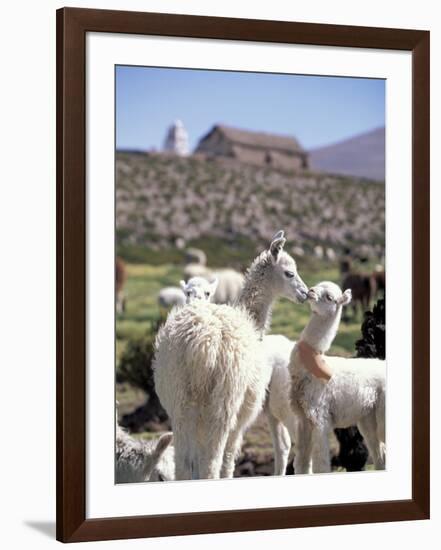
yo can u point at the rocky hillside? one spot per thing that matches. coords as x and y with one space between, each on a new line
362 156
162 198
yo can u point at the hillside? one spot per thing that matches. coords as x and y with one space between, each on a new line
161 198
361 156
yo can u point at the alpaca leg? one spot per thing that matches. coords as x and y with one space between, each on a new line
381 429
380 416
210 457
303 446
368 429
182 455
209 442
185 429
281 443
232 450
247 415
321 460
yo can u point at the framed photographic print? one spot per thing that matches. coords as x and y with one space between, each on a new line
230 196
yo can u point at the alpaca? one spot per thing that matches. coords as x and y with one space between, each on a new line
196 270
318 252
195 256
198 288
230 283
143 460
363 287
170 296
379 276
281 419
354 395
209 370
330 254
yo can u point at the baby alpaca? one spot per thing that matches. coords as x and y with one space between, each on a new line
229 281
199 288
354 395
143 460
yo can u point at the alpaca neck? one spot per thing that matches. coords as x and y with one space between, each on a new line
257 295
320 331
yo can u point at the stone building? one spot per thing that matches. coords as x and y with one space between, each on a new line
176 140
259 148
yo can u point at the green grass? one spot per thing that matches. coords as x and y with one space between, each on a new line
143 284
144 281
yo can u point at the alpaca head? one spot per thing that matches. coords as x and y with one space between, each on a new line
326 299
198 288
285 280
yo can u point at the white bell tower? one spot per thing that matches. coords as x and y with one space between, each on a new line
176 140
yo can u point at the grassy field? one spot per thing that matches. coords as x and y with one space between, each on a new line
145 281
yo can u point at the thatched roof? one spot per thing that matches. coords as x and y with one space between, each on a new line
260 140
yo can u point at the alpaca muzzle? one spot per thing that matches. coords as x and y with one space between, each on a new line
312 295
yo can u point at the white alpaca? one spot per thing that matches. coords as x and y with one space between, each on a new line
171 296
209 370
330 254
195 256
354 395
282 422
230 283
198 288
143 460
197 270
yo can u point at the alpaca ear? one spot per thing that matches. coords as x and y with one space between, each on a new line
277 245
213 285
279 235
183 285
163 442
346 297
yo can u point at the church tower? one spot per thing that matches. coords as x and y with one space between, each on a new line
176 140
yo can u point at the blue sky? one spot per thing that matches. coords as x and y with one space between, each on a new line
317 110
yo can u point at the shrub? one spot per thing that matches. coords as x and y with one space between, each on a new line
136 368
373 329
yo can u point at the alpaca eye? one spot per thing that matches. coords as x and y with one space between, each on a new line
207 294
289 274
189 294
329 298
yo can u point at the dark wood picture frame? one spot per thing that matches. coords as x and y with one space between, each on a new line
72 26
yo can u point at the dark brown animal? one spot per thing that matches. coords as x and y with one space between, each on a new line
120 279
345 265
364 290
380 280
